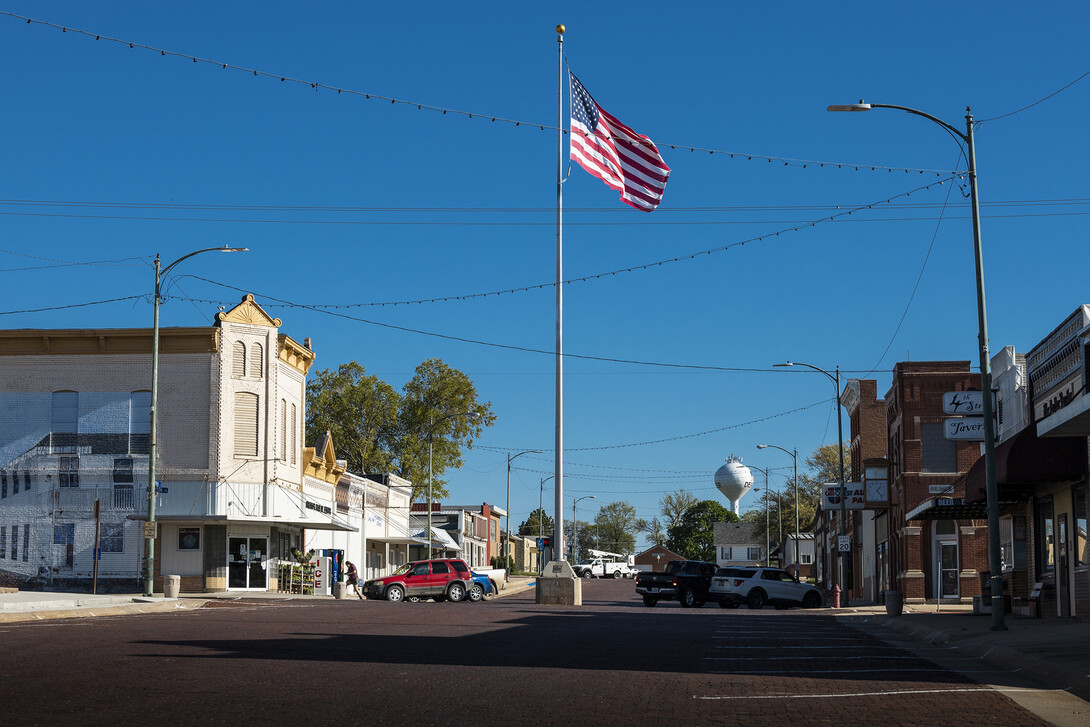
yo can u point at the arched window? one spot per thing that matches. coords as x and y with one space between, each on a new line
246 409
284 430
238 360
293 443
256 361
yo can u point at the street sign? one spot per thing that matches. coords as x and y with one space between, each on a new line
149 530
854 496
844 543
966 429
963 402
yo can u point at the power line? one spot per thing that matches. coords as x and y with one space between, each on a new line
595 276
1046 98
318 86
71 305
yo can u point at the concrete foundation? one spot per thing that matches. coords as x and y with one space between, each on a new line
558 585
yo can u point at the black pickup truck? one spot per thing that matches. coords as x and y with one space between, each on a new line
685 580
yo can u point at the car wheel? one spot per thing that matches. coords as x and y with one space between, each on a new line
756 599
687 598
587 575
495 588
456 592
650 601
812 599
476 593
617 574
395 594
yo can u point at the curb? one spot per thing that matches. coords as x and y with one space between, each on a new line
93 611
1006 657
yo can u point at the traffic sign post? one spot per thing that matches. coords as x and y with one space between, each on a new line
844 543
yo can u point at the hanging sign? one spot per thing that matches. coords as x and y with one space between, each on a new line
854 492
967 429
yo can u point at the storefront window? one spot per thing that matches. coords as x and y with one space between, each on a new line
1006 542
1079 501
1048 538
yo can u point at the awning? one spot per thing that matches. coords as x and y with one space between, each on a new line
440 539
334 523
1025 461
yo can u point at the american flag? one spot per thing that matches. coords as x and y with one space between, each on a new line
626 161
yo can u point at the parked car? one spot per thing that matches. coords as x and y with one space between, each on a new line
480 588
685 580
442 579
757 586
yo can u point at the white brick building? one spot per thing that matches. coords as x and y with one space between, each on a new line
233 497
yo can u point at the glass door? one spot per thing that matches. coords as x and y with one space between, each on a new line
247 563
1063 584
949 586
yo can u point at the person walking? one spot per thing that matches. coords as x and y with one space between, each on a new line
353 577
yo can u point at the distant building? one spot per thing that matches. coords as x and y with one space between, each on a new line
737 544
656 558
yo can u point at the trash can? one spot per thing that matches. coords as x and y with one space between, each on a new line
171 586
340 588
895 602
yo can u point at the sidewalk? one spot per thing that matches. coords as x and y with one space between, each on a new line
1050 650
45 605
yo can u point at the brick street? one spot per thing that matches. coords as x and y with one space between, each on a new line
509 661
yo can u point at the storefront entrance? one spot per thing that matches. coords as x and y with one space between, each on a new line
247 563
949 585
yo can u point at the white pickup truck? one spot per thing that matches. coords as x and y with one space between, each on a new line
498 576
606 565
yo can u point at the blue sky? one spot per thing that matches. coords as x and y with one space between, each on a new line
345 200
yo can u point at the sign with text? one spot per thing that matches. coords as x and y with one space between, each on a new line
844 543
967 429
854 496
963 402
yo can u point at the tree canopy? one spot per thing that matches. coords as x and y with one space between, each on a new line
673 505
615 527
377 430
693 535
539 522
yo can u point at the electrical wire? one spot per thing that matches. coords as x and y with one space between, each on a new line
71 305
595 276
1035 103
315 85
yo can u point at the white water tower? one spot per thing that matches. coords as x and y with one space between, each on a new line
734 480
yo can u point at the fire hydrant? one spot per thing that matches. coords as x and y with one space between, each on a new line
836 596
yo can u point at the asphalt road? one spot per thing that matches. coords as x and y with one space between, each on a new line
508 661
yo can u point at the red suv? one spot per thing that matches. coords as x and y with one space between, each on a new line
442 579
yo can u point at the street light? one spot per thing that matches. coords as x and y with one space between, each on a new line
431 431
149 527
992 486
844 555
540 506
507 545
794 454
768 526
574 503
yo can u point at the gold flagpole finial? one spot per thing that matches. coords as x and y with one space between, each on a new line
560 29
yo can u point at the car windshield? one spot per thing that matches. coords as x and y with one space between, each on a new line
403 569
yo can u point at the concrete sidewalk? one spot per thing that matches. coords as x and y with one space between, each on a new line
1050 650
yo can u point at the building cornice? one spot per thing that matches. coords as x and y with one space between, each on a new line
293 354
107 341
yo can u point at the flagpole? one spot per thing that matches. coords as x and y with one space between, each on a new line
558 466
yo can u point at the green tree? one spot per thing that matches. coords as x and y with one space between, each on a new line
360 411
693 535
432 401
673 505
656 533
539 522
377 430
615 528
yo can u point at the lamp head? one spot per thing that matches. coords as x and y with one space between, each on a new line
762 446
233 249
786 363
861 106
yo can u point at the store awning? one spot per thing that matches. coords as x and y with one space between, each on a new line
1025 461
334 523
440 539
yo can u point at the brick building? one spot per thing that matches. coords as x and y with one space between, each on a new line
937 546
